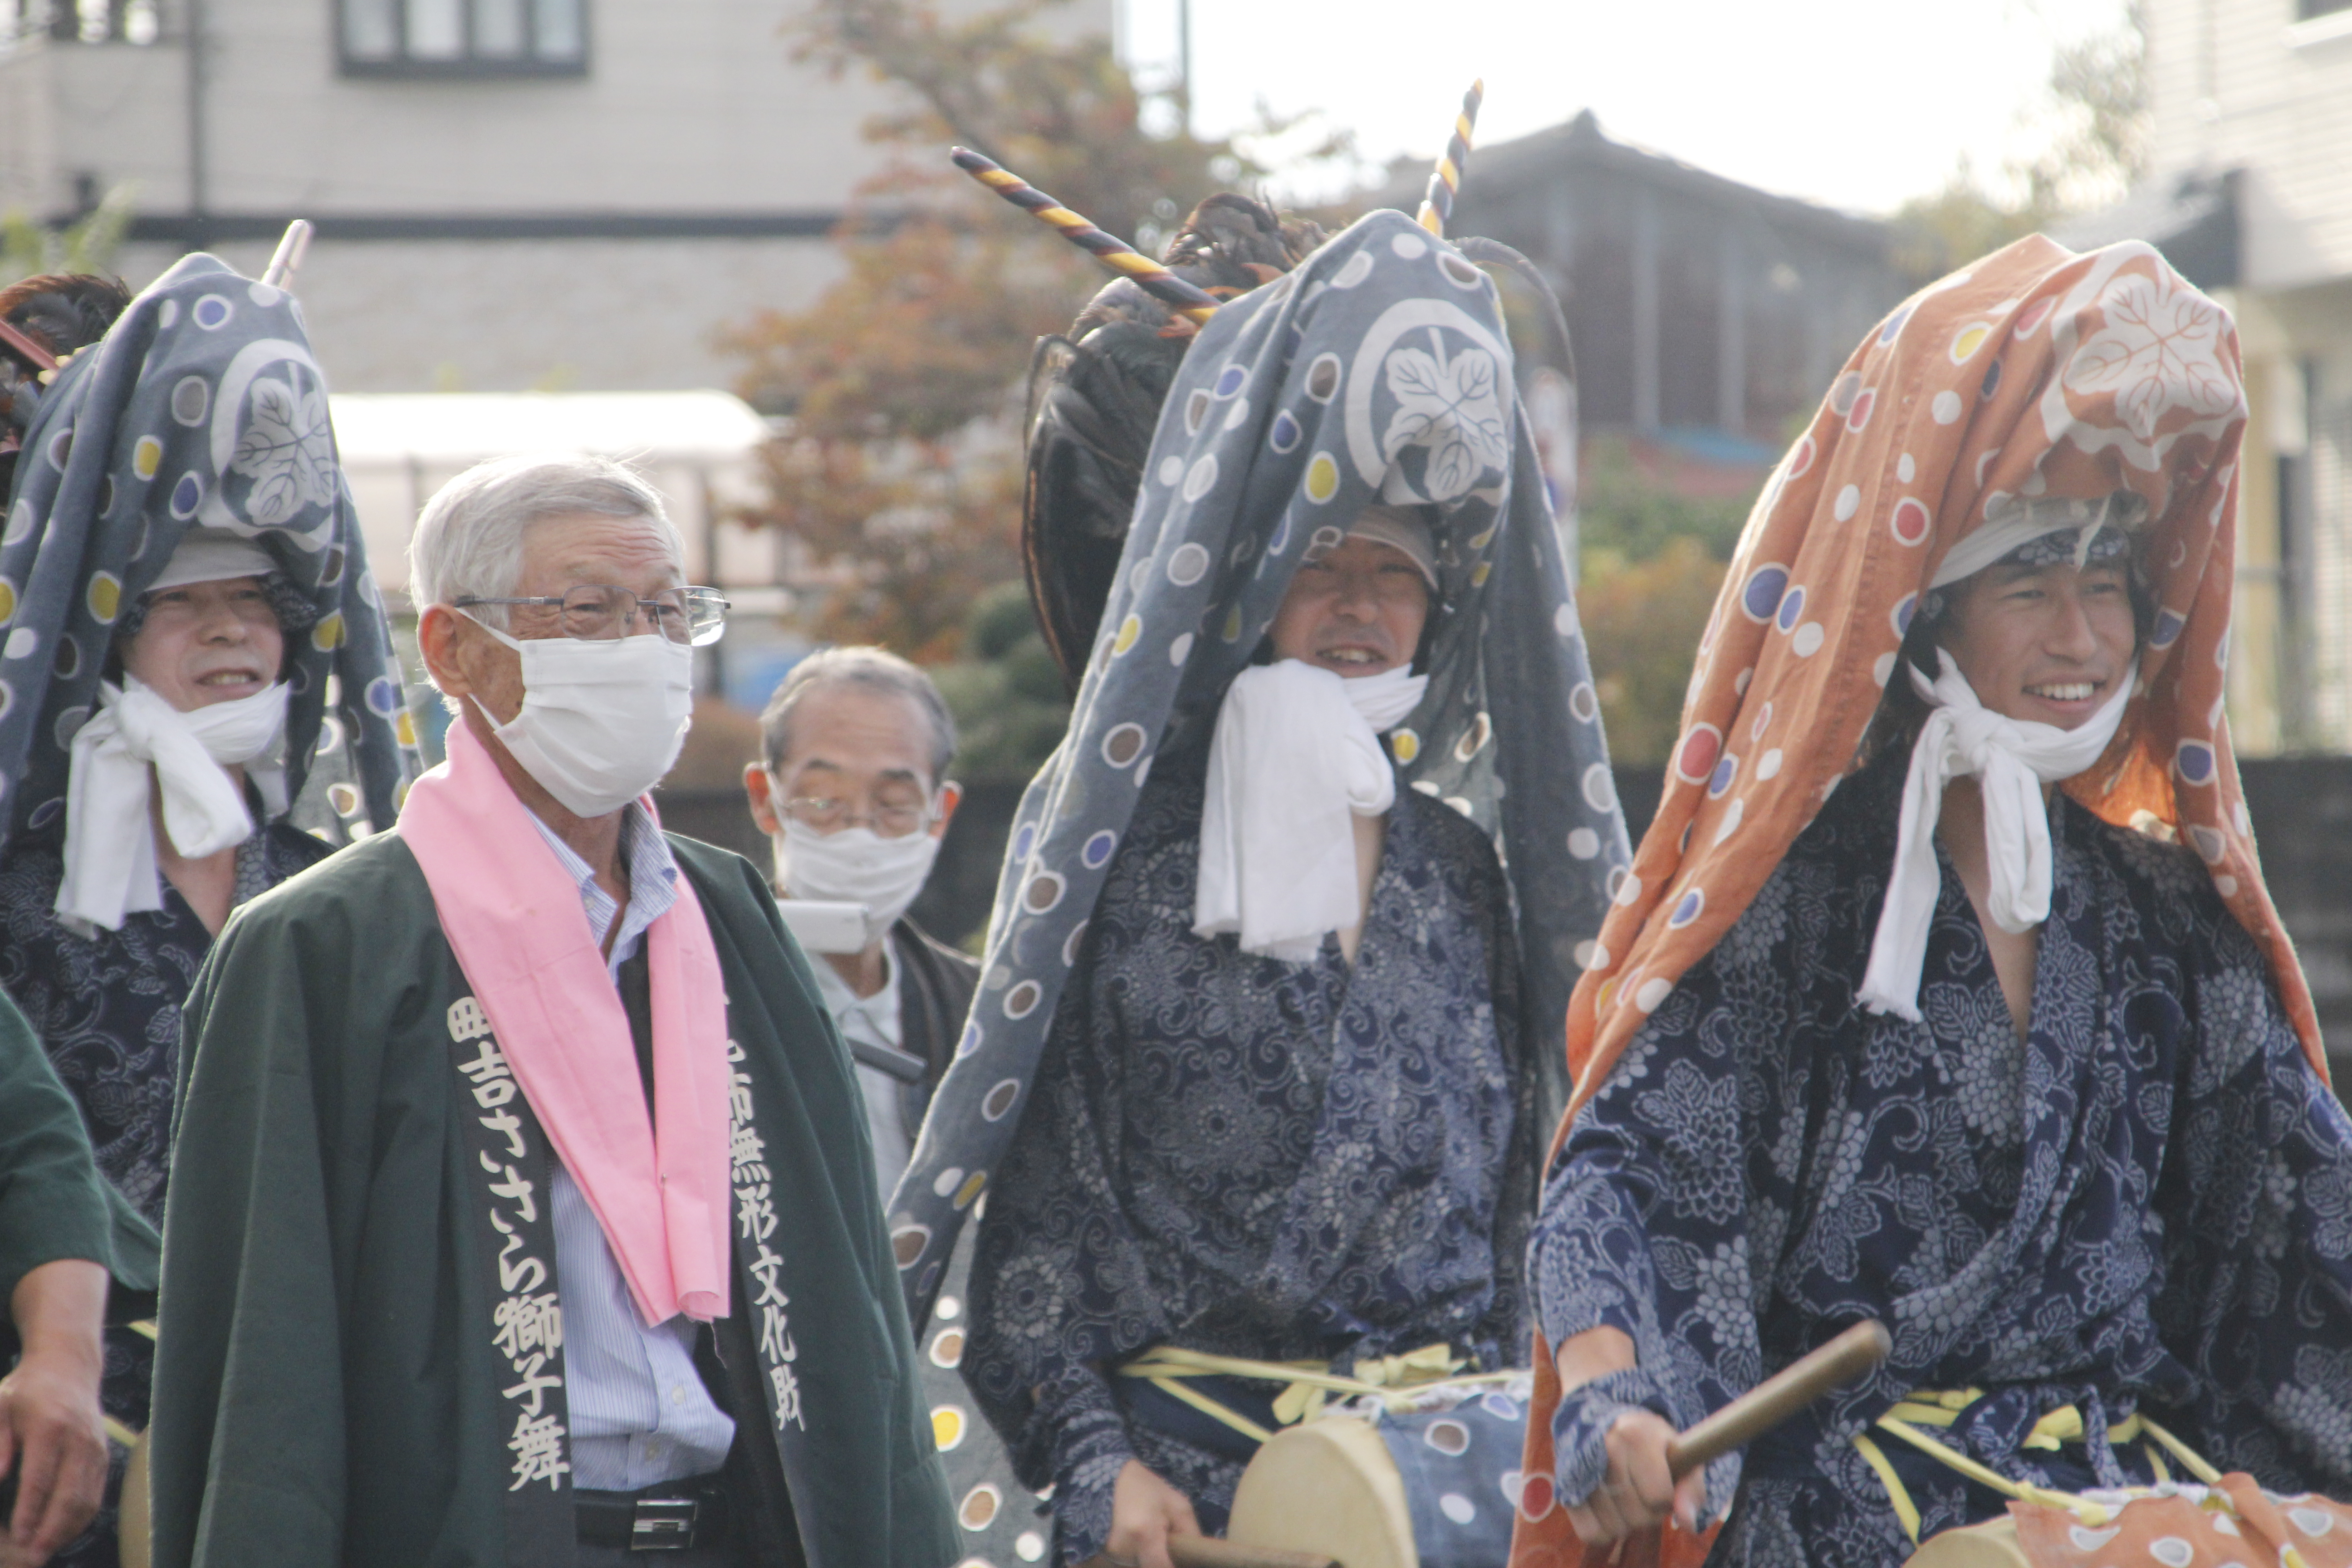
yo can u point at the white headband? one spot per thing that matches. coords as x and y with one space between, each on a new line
2023 522
209 555
1401 530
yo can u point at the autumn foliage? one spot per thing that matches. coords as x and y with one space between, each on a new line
901 467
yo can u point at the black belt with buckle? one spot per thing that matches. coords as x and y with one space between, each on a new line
675 1516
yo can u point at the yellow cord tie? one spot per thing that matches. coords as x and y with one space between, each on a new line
1939 1408
2091 1513
2191 1460
1906 1512
1306 1383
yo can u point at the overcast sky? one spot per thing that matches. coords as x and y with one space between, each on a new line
1857 103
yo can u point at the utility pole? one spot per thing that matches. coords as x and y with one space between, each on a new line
199 192
1185 61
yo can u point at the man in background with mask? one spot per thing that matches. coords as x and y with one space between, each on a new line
520 1207
853 790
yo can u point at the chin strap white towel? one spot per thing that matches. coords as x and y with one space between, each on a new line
2013 759
1296 751
109 854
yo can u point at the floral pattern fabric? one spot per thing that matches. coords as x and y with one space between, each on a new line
1254 1158
2145 1204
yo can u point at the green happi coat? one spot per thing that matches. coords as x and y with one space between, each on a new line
328 1388
53 1203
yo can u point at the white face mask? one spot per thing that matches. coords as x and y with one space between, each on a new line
857 866
601 721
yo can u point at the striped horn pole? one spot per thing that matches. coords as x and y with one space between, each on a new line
1437 207
1195 304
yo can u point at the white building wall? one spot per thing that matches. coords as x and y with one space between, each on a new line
2238 83
690 111
686 105
502 315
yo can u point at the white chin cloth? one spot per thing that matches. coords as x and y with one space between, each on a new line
2013 759
109 854
1297 751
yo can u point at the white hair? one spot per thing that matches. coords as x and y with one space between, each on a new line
870 669
470 539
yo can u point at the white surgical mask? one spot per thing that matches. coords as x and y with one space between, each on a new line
601 721
857 866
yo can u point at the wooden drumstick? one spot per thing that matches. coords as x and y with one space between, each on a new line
1202 1551
1837 1363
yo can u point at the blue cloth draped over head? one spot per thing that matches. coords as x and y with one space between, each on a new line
203 408
1380 369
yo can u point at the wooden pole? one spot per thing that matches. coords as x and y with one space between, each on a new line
1845 1360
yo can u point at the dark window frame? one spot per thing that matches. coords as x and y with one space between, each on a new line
470 65
81 21
2312 10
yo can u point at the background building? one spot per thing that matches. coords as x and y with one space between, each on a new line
2250 194
509 194
1704 312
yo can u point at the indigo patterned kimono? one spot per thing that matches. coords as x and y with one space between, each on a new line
107 1011
1246 1157
2146 1205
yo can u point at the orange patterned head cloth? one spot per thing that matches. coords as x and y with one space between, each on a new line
2035 373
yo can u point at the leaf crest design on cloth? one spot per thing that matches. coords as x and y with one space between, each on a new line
288 451
1449 406
2160 349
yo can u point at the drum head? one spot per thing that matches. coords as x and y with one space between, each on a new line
1992 1545
1327 1486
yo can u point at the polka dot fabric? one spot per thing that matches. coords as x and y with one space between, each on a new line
2234 1524
1380 367
2037 371
202 408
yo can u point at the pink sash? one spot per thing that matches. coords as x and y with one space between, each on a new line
513 918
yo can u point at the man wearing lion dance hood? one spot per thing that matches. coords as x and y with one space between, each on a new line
1945 989
1250 1079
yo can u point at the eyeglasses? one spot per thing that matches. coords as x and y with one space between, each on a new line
600 613
830 814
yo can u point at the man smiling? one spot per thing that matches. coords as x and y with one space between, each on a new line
1976 1020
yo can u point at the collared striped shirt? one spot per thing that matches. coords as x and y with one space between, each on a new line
639 1412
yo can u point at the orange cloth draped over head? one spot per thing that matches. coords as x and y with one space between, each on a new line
2037 373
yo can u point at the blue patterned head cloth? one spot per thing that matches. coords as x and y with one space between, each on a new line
1379 370
202 407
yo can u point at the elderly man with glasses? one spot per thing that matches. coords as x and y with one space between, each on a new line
522 1198
852 787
